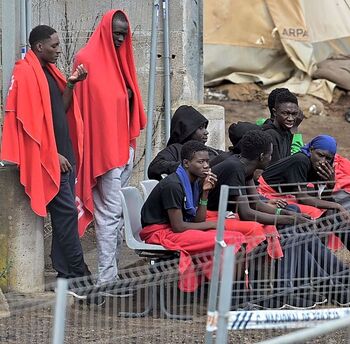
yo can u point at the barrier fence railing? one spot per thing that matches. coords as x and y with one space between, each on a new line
312 293
254 298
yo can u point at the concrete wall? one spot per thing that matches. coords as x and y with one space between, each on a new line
21 237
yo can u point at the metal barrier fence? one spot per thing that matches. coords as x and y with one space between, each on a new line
29 319
313 282
146 305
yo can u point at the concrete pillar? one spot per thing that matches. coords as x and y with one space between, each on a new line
22 237
216 127
10 41
4 307
215 114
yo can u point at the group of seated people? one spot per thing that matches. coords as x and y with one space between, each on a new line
286 199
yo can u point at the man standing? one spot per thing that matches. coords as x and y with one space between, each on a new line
43 136
113 117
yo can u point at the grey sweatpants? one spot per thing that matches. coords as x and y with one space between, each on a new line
109 220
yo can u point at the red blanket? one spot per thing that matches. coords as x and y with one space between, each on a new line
28 138
189 243
254 233
109 127
342 173
266 190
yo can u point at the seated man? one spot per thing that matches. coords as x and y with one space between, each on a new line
235 132
312 165
297 140
341 164
286 112
174 214
237 172
186 124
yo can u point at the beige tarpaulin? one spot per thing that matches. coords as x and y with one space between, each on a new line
272 41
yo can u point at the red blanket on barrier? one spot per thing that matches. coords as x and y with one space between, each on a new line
266 190
28 138
342 173
189 243
254 233
109 127
193 242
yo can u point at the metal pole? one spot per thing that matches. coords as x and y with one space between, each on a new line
225 295
303 335
60 311
28 18
9 40
23 28
151 85
200 75
167 94
219 246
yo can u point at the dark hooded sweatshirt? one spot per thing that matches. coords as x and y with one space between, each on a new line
281 140
184 123
235 132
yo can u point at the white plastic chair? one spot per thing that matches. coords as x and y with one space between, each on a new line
132 203
147 186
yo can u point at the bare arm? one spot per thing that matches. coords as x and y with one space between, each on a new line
208 184
78 75
304 198
257 204
246 213
178 225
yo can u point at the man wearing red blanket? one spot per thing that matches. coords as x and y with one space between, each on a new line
43 136
175 213
113 116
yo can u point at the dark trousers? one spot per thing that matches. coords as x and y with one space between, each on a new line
66 251
332 221
305 254
307 258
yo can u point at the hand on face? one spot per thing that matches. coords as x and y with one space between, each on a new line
325 171
78 75
209 181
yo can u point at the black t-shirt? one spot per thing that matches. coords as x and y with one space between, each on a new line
59 118
230 172
281 140
294 169
168 194
220 158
